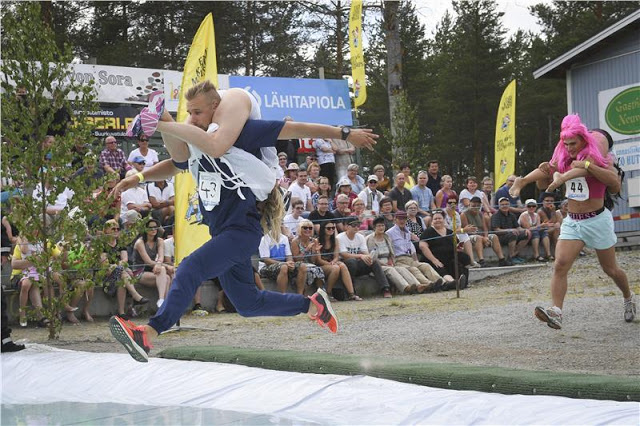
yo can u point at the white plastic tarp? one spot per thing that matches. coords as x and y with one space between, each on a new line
42 375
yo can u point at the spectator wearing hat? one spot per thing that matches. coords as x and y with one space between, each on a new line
370 196
162 198
505 222
402 239
300 190
135 198
399 194
325 151
138 162
354 252
345 188
482 238
290 175
384 183
113 158
149 155
531 220
355 180
423 195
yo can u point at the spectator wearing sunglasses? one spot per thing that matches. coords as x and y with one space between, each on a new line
291 221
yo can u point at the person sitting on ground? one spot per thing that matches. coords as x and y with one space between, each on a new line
551 219
354 252
276 262
135 198
306 249
301 191
472 191
290 175
531 220
509 232
482 238
321 213
324 188
292 220
462 232
437 248
115 259
149 155
162 198
381 249
409 182
366 219
342 211
371 197
422 194
329 260
148 261
399 194
344 187
384 183
406 255
445 192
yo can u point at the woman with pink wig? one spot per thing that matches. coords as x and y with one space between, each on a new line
587 174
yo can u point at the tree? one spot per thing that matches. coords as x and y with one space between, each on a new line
39 93
406 136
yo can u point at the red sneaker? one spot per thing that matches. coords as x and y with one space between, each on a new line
133 338
325 315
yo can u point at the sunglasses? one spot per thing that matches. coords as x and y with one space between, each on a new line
307 228
531 207
330 228
373 181
452 202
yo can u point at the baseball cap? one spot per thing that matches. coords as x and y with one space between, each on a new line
504 198
353 220
293 166
530 201
344 182
139 159
372 177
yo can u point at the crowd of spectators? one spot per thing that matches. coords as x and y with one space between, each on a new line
338 226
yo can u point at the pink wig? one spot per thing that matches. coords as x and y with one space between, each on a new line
572 127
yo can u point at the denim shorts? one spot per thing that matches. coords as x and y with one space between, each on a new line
596 232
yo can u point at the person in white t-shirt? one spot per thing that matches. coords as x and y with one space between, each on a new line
276 261
150 155
354 253
291 221
325 151
472 191
300 190
161 196
135 198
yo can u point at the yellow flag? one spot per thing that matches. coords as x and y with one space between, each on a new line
199 66
505 156
357 57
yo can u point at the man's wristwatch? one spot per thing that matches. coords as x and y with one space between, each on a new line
345 132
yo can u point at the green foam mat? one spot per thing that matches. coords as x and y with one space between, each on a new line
446 376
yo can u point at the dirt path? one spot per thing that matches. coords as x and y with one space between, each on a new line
491 324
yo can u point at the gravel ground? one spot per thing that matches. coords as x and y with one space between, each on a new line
491 324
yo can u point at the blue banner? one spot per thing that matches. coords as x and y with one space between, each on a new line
303 99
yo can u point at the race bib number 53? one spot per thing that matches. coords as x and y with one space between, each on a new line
577 189
209 185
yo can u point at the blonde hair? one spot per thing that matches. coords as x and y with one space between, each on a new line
203 88
303 222
410 203
272 210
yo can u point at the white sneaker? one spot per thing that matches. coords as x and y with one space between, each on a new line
630 309
552 316
160 302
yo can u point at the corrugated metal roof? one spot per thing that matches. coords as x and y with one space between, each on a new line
583 47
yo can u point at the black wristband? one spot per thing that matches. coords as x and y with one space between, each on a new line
184 165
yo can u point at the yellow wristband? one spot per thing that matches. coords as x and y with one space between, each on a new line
587 164
140 176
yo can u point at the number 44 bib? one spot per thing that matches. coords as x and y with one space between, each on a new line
209 186
577 189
